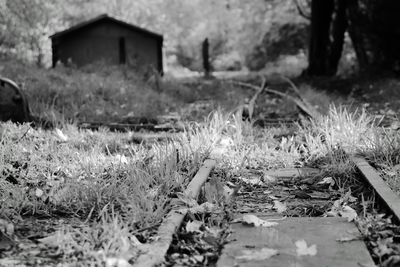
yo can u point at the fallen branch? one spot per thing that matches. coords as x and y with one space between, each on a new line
305 107
252 101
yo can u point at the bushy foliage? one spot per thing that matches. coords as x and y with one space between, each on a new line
234 27
286 33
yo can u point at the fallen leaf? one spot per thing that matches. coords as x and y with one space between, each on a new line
257 255
122 159
213 231
199 258
273 197
56 239
117 262
253 220
348 212
348 197
269 178
350 236
320 195
135 241
252 181
383 247
194 227
230 184
279 206
39 192
327 180
228 192
6 227
302 249
340 210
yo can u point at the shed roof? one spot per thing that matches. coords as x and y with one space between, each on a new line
105 17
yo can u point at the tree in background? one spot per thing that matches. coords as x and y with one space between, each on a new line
26 25
373 27
327 32
281 32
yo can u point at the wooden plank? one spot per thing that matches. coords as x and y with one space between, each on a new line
156 251
323 232
193 189
390 199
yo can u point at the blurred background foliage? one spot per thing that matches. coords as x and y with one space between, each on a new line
242 33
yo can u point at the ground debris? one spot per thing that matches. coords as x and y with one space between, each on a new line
196 244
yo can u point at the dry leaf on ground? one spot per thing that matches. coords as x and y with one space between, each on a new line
349 213
279 206
57 238
135 241
350 236
194 227
252 181
116 262
6 227
39 192
269 178
384 247
327 180
340 210
302 249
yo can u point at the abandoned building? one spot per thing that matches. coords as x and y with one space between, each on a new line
108 40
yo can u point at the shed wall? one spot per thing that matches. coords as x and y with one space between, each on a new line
100 42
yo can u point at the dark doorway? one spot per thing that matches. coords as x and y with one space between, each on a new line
122 50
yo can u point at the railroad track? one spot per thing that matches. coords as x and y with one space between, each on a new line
354 252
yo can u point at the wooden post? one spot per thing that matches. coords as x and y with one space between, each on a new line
206 58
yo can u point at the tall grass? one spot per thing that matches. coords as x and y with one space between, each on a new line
349 130
111 185
107 93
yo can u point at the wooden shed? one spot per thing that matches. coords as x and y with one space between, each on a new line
110 40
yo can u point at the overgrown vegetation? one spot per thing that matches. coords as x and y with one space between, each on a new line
114 187
101 94
111 185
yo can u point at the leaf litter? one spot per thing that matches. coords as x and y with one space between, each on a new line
279 206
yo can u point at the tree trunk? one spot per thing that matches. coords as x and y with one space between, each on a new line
339 26
318 55
355 33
